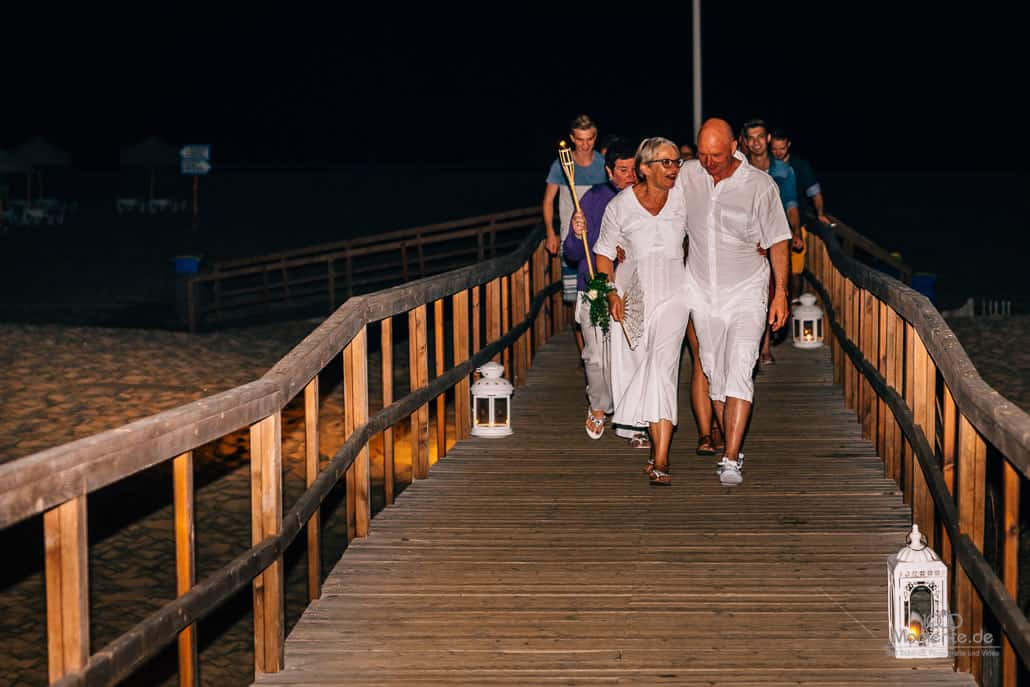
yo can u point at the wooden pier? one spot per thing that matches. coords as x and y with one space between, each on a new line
547 558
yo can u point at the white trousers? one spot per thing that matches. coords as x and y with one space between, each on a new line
595 360
729 334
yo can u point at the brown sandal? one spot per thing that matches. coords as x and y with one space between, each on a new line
705 446
660 478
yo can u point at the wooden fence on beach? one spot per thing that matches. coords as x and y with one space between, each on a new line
329 273
950 441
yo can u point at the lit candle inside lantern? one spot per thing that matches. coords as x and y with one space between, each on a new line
915 626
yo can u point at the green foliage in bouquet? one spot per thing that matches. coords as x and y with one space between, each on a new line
596 295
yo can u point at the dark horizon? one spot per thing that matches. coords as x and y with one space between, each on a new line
859 92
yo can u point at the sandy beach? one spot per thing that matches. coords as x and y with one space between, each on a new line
996 347
59 383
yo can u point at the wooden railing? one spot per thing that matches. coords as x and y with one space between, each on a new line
933 419
858 246
329 273
502 308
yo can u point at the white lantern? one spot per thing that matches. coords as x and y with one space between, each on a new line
917 589
808 323
491 402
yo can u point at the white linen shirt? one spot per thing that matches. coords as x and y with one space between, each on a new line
726 223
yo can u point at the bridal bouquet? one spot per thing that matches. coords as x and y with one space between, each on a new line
596 295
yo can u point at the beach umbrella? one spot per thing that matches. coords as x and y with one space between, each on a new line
38 153
151 153
10 163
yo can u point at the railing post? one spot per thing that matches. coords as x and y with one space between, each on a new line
539 283
386 344
331 270
517 314
908 462
419 374
191 306
923 408
1010 564
311 470
505 325
348 272
949 437
441 400
460 343
882 420
266 497
869 327
185 561
527 337
557 307
356 389
493 312
846 313
477 310
972 463
855 309
896 334
67 587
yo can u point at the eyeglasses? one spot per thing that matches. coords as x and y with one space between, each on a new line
666 163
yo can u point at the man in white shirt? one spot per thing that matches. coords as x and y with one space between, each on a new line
731 207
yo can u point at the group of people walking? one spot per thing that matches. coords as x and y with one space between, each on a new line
704 242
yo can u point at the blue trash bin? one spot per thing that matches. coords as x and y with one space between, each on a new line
187 264
923 282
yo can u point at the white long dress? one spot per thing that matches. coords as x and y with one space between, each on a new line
644 380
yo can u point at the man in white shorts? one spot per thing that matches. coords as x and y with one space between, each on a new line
731 207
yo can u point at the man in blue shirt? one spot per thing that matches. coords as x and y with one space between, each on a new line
589 172
756 138
619 165
809 189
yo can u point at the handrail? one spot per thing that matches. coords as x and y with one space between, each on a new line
56 481
143 641
39 481
304 275
334 246
968 405
998 419
852 238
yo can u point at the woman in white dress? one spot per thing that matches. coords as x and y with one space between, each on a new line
650 224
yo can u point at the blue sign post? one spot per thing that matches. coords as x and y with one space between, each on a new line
195 160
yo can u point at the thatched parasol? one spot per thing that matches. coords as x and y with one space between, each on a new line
151 153
38 154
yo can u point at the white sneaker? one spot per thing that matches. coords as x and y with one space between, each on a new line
725 459
730 471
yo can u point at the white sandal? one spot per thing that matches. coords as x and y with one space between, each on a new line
594 426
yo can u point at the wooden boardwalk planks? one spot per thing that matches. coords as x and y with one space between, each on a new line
546 558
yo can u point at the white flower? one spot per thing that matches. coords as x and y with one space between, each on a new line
592 294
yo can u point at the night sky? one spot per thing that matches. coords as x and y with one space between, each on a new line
861 86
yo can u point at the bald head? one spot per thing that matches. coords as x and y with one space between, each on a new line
717 131
715 148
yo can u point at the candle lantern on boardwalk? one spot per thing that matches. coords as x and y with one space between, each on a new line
808 323
917 590
491 402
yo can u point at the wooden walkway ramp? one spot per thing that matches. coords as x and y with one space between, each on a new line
546 558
